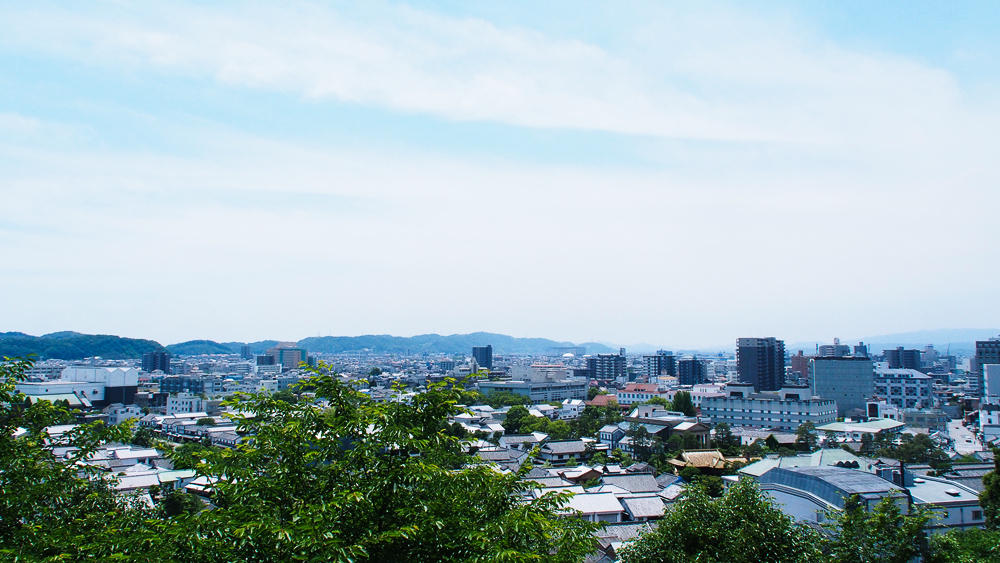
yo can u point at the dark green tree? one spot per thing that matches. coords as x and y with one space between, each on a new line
867 444
724 439
342 478
55 508
178 502
989 499
143 437
683 403
595 391
883 533
965 546
593 418
497 399
517 416
805 436
641 442
772 443
370 481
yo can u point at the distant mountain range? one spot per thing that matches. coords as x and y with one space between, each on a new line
436 343
958 340
69 345
74 346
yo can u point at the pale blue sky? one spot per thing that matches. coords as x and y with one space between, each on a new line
628 172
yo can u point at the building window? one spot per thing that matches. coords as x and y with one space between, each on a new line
977 514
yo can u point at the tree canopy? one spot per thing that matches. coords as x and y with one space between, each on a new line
741 526
989 499
342 478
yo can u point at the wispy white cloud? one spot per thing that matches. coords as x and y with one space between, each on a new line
709 73
804 149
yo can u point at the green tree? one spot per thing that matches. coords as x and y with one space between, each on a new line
55 508
883 533
772 443
829 439
725 440
989 499
641 442
595 391
342 478
178 502
516 417
143 437
867 444
205 421
742 526
683 403
497 399
660 401
965 546
621 458
593 418
370 481
805 436
188 455
285 395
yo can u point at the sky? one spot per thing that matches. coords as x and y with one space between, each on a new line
677 174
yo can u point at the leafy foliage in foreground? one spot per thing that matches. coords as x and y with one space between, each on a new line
744 526
348 479
965 546
741 526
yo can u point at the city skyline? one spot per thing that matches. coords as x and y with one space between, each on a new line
630 174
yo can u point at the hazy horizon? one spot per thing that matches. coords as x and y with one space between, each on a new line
623 173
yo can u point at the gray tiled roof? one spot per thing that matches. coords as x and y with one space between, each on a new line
634 482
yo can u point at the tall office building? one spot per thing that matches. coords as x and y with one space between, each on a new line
847 380
901 358
288 355
987 352
245 352
152 361
761 362
483 356
692 371
606 367
663 363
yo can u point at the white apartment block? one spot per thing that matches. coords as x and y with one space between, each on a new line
784 409
905 388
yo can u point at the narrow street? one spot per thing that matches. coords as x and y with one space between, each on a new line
965 441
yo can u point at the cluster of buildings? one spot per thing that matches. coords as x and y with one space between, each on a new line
760 391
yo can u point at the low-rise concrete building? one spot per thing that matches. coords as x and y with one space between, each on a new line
784 409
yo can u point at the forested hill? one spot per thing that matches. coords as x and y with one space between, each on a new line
198 347
74 346
436 343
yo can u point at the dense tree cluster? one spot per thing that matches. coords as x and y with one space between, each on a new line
743 525
342 478
908 449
